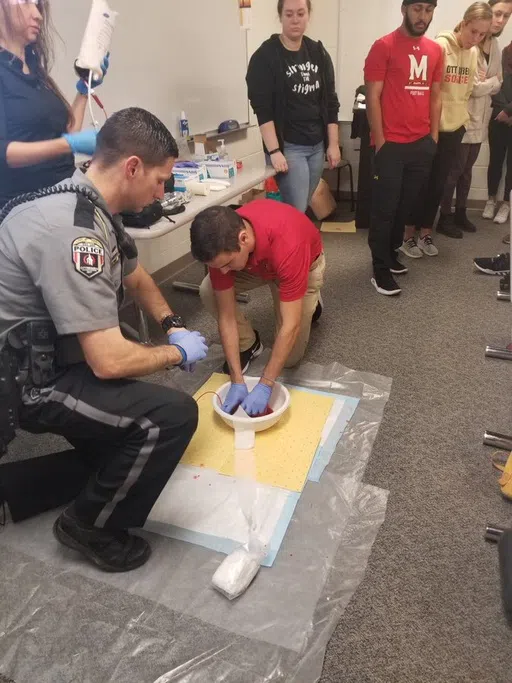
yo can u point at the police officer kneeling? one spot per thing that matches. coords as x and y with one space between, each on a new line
65 261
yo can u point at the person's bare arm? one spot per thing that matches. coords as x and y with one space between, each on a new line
111 356
228 330
435 110
333 133
269 135
21 154
291 313
143 289
78 110
333 149
374 112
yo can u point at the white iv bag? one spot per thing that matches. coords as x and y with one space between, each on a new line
96 40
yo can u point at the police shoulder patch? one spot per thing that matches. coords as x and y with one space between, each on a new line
88 255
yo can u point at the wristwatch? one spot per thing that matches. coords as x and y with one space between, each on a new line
172 321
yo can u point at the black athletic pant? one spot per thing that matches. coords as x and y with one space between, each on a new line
400 171
431 195
500 145
128 437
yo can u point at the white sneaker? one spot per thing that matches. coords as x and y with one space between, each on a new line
489 210
410 248
503 213
427 246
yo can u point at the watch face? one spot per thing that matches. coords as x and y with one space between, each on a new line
172 321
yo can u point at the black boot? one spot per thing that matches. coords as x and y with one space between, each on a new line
112 551
462 221
445 226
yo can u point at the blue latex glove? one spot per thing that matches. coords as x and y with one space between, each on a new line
236 394
192 346
257 401
83 142
83 87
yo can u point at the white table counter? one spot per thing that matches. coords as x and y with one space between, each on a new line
253 173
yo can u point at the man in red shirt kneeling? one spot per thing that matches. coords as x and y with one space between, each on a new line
262 243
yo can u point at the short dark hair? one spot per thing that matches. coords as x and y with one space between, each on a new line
280 6
134 132
495 2
214 231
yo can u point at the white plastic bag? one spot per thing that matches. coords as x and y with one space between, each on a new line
237 572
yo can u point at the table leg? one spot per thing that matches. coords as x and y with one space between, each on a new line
497 352
495 440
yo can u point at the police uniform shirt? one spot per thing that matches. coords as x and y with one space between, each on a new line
60 260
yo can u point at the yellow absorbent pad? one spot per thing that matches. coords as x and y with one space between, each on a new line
283 453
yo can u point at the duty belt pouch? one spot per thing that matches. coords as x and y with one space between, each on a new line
10 398
41 338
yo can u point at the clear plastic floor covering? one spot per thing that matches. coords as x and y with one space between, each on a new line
62 621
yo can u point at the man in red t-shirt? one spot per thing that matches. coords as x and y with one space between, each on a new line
262 243
403 74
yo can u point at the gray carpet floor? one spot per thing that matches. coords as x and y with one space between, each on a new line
429 608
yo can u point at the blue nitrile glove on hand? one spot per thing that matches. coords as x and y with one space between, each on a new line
83 87
191 345
257 401
83 142
236 394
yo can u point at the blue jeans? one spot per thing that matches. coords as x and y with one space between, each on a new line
305 167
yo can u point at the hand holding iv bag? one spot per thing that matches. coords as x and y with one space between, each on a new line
96 41
83 87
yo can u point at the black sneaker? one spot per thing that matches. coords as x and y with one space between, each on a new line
247 356
385 284
446 226
462 221
111 551
318 310
497 265
398 268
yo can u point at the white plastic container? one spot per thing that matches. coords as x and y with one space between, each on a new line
279 402
184 127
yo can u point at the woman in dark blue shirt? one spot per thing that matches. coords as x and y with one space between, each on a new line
39 131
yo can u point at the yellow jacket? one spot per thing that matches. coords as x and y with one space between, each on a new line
460 67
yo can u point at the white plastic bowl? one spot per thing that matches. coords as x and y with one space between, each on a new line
279 402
